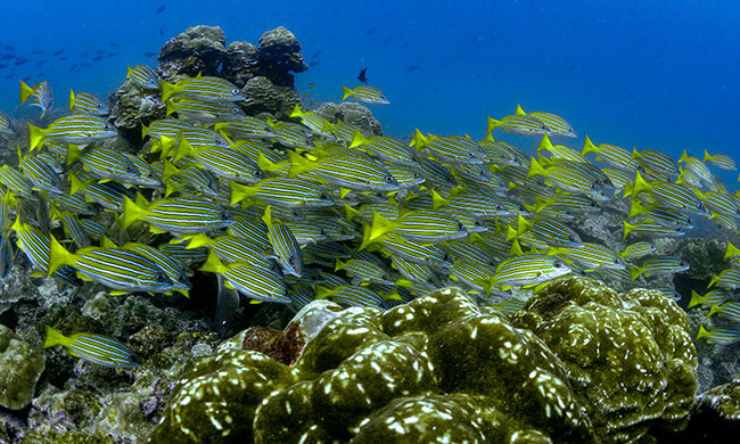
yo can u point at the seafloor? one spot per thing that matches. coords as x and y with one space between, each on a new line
582 362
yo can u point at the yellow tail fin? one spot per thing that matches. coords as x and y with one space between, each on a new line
267 217
26 91
239 192
536 169
696 299
168 90
628 228
297 112
299 164
213 264
589 147
36 137
640 184
58 256
199 240
132 212
55 337
519 111
731 251
346 92
358 139
545 144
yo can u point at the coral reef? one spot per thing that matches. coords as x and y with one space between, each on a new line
21 365
265 96
599 367
198 50
352 113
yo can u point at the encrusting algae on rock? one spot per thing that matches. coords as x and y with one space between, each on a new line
597 366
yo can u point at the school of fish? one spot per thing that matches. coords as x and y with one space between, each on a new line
289 211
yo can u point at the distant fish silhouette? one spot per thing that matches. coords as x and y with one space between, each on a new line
161 9
412 68
362 76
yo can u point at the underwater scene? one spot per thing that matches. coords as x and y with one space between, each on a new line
510 221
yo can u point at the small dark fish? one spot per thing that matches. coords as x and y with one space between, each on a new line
58 52
21 61
362 76
37 52
63 59
371 31
97 58
161 9
413 68
161 31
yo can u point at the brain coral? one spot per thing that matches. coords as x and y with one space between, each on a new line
591 366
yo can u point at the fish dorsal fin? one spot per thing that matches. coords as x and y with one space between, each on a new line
519 111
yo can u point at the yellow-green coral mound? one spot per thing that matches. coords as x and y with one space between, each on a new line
629 355
592 366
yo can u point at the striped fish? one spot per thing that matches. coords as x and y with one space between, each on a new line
168 127
98 349
74 230
727 279
282 191
554 124
256 149
205 88
413 271
86 103
230 249
637 250
143 76
569 177
351 296
719 335
15 181
503 154
291 134
559 151
116 268
697 167
227 163
77 129
365 94
253 281
190 179
415 252
712 297
529 270
515 124
352 172
453 149
421 226
618 177
589 256
718 201
174 268
318 124
669 194
41 175
722 161
204 112
656 162
614 155
41 94
110 163
109 195
285 247
246 127
33 243
659 265
728 310
253 230
93 229
651 230
363 272
385 148
177 215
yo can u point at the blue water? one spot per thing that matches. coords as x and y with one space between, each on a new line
644 73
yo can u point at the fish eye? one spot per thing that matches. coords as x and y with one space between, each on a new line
389 179
460 226
499 207
235 92
558 264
